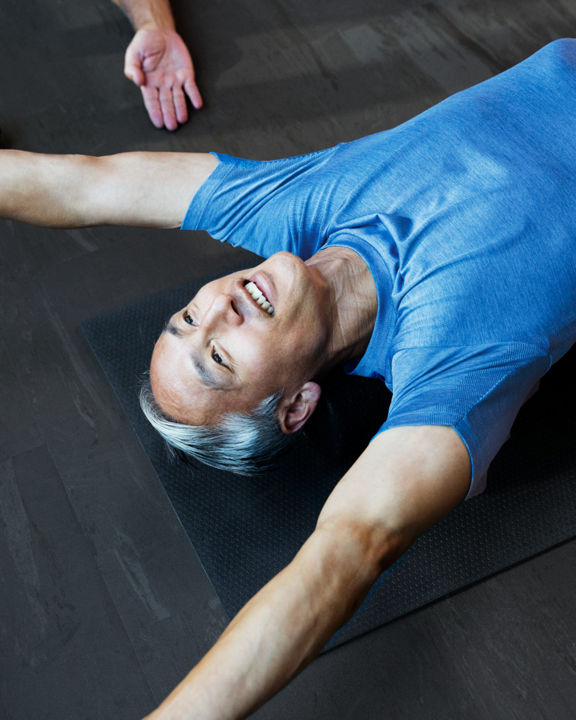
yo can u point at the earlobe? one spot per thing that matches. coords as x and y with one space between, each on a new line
297 409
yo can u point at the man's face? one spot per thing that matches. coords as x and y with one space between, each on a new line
224 352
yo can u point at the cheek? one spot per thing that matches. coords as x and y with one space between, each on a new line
252 354
261 360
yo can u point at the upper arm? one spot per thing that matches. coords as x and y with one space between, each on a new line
406 480
145 189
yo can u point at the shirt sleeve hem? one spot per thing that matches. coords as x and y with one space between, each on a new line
196 211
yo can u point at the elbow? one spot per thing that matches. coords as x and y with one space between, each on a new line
371 546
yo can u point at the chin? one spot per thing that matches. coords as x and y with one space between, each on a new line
287 271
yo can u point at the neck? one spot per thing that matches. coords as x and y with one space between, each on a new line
353 302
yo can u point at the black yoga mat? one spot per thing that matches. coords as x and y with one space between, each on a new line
247 529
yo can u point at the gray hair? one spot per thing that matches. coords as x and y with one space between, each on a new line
242 443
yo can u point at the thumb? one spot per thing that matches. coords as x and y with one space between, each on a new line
133 67
134 73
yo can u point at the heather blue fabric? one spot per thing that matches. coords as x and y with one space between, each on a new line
466 217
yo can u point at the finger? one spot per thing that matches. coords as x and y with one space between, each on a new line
179 104
193 93
152 104
167 104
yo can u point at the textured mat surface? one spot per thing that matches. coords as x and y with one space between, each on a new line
246 530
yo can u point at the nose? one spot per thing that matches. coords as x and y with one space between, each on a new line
222 311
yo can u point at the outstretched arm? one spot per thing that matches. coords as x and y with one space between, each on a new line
145 189
158 62
406 480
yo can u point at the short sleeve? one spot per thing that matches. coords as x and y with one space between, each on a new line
477 390
266 206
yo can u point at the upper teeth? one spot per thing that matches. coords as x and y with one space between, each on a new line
259 296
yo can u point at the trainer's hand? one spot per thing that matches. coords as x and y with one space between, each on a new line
158 62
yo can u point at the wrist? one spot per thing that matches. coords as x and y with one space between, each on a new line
146 15
164 25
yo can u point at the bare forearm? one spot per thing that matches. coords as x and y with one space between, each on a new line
148 14
44 189
403 483
277 633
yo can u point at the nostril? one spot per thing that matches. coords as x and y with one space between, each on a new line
235 308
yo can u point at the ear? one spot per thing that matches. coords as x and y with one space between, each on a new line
297 408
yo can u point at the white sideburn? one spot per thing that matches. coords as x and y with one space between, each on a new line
259 297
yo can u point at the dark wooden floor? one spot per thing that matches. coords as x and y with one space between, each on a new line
103 603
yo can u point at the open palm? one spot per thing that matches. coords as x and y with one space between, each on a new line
158 62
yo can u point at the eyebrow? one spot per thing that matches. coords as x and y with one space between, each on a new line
172 329
206 378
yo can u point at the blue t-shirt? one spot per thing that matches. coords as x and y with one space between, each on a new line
466 217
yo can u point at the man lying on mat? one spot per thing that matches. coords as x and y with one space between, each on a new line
438 256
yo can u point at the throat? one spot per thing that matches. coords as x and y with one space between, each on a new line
354 300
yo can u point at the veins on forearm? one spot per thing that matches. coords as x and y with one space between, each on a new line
278 632
148 14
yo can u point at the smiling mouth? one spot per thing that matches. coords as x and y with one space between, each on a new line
259 298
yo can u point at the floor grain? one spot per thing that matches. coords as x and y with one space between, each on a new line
104 605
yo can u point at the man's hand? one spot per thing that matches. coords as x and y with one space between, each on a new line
158 62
